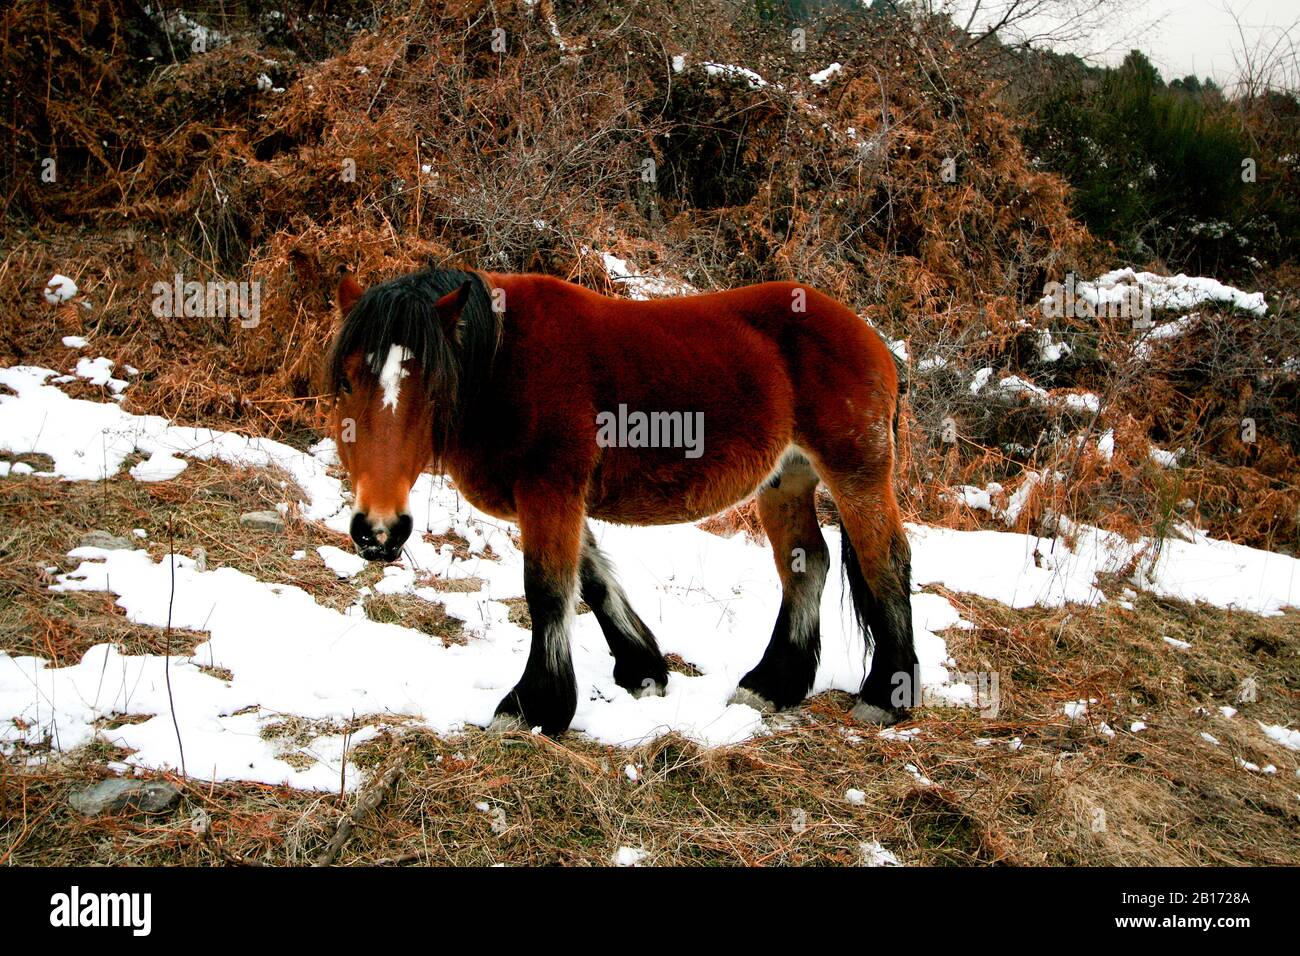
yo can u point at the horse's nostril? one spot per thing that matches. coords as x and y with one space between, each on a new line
400 531
361 531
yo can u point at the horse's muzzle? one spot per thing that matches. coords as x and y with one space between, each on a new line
380 542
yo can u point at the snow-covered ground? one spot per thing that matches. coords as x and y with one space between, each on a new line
709 599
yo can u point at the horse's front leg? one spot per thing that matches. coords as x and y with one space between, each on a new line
551 526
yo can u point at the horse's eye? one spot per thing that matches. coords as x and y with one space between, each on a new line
345 387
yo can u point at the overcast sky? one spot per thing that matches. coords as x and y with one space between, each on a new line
1180 36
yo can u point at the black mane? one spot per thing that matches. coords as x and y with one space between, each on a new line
402 312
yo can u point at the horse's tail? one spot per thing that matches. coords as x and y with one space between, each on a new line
882 611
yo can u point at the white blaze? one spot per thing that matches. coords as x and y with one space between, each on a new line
390 377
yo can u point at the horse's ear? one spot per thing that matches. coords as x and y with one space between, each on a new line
449 308
348 292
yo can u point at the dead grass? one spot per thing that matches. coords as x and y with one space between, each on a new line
424 616
1065 794
196 511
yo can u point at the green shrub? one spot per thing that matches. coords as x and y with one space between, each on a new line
1162 170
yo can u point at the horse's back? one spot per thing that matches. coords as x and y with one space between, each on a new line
838 370
757 369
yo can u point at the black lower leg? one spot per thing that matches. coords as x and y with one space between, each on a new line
547 693
884 607
639 665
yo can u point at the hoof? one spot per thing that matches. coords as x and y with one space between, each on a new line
871 714
744 695
650 688
505 724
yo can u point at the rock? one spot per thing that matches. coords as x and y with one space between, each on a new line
102 539
506 723
118 793
262 520
871 714
743 695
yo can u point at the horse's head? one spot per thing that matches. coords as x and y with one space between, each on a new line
393 375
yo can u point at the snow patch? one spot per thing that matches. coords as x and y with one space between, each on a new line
629 856
731 71
873 854
60 288
345 564
1290 739
1176 293
642 286
822 76
99 371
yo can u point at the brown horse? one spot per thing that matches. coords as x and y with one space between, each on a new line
548 404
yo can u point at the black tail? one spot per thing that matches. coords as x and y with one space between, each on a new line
856 587
884 616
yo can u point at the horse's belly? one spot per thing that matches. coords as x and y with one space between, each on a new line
655 488
483 489
737 417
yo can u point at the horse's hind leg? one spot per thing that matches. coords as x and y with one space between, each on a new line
639 666
787 509
877 565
